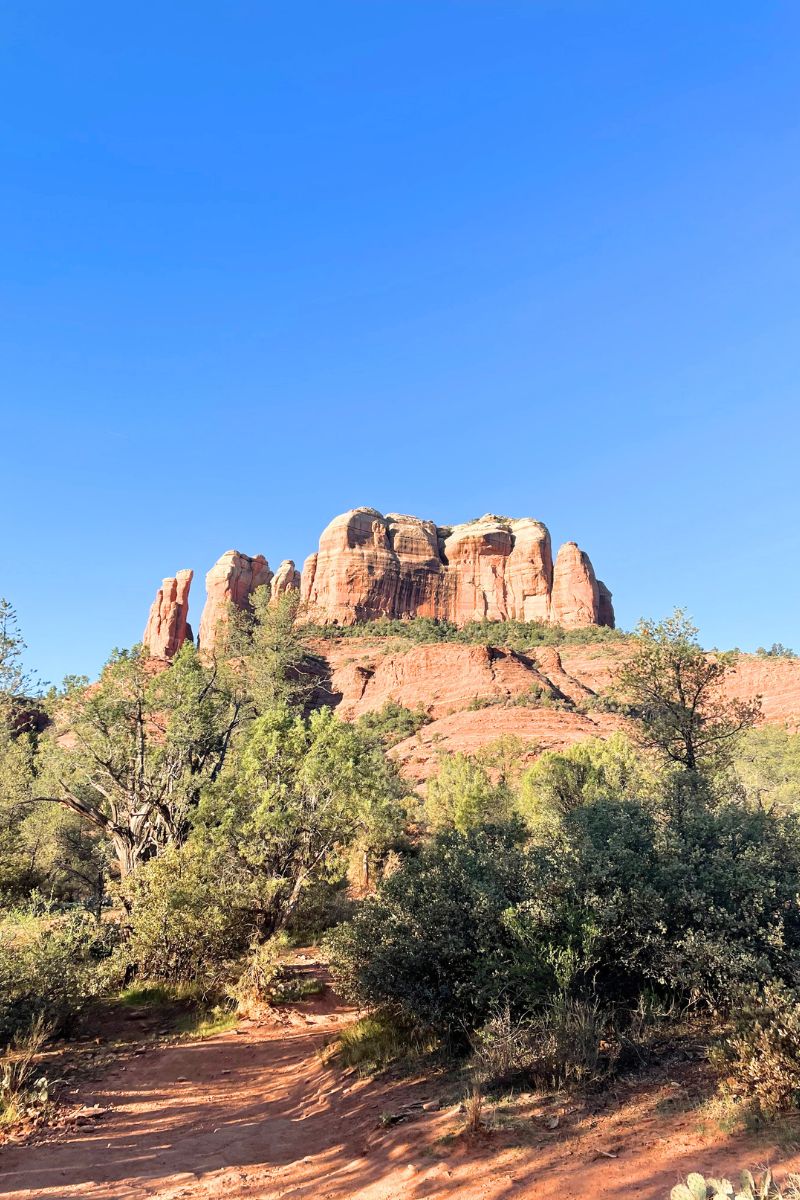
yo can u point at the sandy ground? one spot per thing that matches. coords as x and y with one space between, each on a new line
257 1113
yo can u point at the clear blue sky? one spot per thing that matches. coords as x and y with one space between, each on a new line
262 262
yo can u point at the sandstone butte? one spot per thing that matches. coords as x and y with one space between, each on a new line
370 566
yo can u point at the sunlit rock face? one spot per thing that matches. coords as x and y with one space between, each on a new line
496 568
167 626
369 565
231 581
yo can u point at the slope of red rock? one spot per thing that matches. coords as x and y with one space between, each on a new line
476 694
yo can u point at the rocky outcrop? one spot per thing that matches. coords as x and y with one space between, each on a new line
231 581
496 568
167 626
575 598
369 565
285 579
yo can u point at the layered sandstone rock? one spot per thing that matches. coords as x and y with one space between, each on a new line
167 626
231 581
575 599
369 566
286 578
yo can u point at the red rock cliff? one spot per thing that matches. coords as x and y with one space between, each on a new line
167 627
369 565
232 580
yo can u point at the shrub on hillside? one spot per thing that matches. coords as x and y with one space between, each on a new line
516 635
463 795
394 722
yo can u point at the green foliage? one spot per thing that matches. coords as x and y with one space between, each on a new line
262 974
15 682
185 922
561 780
763 1050
303 794
463 796
516 635
432 947
23 1088
394 722
132 753
767 766
674 689
378 1040
47 969
618 898
776 650
266 641
627 898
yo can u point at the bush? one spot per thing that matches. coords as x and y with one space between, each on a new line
376 1041
596 768
463 796
23 1089
394 722
560 1044
516 635
621 898
263 973
185 925
47 970
431 947
763 1051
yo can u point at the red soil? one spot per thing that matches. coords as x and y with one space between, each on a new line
256 1114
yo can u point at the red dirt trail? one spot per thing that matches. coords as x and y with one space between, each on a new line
256 1114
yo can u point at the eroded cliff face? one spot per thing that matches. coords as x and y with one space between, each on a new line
369 565
167 626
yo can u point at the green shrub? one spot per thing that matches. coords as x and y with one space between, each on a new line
23 1086
48 969
431 947
378 1040
185 925
516 635
620 898
627 898
394 722
763 1050
263 973
463 796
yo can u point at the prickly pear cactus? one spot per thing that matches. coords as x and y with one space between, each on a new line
697 1187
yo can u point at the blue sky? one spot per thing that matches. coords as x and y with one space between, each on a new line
263 262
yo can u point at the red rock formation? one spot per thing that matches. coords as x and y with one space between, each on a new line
575 599
231 581
286 578
495 568
167 628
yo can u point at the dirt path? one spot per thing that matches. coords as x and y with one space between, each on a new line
257 1114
